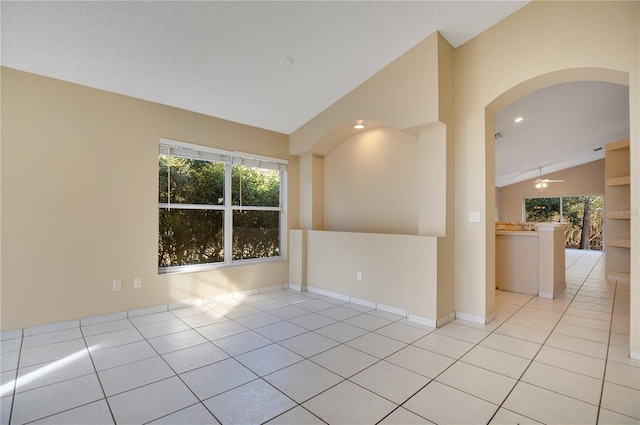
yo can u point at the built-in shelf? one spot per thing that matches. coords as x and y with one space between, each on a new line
620 144
618 215
622 277
618 181
619 242
617 196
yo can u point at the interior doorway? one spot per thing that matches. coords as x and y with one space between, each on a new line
540 158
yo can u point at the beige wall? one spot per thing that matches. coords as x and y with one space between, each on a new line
543 43
371 183
52 125
80 203
446 241
311 190
397 270
402 95
395 178
585 179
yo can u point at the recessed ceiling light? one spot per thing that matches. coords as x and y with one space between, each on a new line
359 126
518 119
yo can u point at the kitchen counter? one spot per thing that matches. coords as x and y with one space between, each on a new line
531 262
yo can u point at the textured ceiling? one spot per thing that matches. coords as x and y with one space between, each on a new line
562 126
224 58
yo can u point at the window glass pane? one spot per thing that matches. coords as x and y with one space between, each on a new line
191 181
580 212
545 210
190 237
256 234
257 187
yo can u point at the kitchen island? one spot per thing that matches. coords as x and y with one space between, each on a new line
530 258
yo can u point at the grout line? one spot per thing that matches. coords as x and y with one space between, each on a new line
541 345
545 341
378 360
98 376
176 375
606 359
15 381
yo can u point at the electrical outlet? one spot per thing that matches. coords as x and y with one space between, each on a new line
117 285
137 283
359 275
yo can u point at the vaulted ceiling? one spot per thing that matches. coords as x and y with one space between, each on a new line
270 64
277 64
562 126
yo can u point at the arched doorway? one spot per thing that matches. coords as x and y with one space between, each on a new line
530 86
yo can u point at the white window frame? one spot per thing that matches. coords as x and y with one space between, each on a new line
229 158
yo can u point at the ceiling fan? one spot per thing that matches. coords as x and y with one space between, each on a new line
542 183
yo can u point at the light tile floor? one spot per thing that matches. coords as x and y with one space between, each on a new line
298 358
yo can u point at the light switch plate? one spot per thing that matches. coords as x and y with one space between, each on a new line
474 216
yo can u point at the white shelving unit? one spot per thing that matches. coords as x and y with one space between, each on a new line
617 210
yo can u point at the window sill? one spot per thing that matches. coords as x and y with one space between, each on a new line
198 268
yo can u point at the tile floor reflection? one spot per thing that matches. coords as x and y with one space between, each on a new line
284 357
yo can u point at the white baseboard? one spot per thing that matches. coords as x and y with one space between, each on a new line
12 334
246 293
422 320
547 295
339 296
52 327
318 291
634 353
217 298
103 318
147 310
445 319
273 288
482 320
362 302
186 303
295 287
391 309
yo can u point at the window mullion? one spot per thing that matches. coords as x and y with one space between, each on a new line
284 225
228 215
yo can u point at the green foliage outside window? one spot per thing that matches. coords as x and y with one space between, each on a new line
190 237
192 181
256 233
542 210
257 187
578 212
192 224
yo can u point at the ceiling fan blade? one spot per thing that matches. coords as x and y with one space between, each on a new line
545 181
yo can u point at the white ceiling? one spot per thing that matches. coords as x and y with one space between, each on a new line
224 59
562 126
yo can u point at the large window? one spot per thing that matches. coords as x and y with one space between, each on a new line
218 207
578 212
